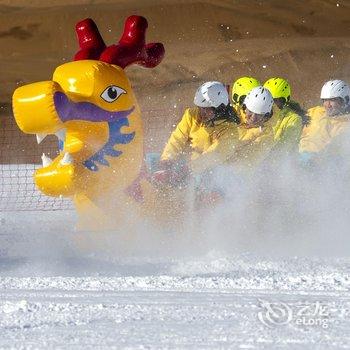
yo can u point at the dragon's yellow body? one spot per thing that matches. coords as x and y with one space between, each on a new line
90 104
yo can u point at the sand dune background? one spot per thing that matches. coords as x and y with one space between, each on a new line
305 41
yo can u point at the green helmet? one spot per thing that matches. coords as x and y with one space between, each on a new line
279 88
241 87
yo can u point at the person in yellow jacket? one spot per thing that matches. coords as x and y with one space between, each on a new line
289 117
256 136
240 89
330 123
206 134
203 139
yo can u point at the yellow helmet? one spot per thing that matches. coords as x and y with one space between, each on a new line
279 88
241 87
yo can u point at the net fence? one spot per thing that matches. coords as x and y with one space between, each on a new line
20 156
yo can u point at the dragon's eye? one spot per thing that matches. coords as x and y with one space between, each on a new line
112 93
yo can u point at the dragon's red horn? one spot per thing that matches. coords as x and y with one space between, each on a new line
90 40
132 48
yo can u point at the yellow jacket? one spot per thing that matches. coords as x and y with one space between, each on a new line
254 146
287 130
323 130
206 145
278 137
240 112
287 127
245 148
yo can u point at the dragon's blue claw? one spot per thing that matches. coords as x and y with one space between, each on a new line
103 161
126 138
113 153
115 138
90 165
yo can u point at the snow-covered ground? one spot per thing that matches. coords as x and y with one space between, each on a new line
113 312
55 294
284 286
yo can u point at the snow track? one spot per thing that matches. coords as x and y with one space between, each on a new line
216 305
158 319
152 293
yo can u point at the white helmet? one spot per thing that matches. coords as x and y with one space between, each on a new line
211 94
259 100
334 89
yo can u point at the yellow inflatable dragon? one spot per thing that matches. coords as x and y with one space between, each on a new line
90 105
